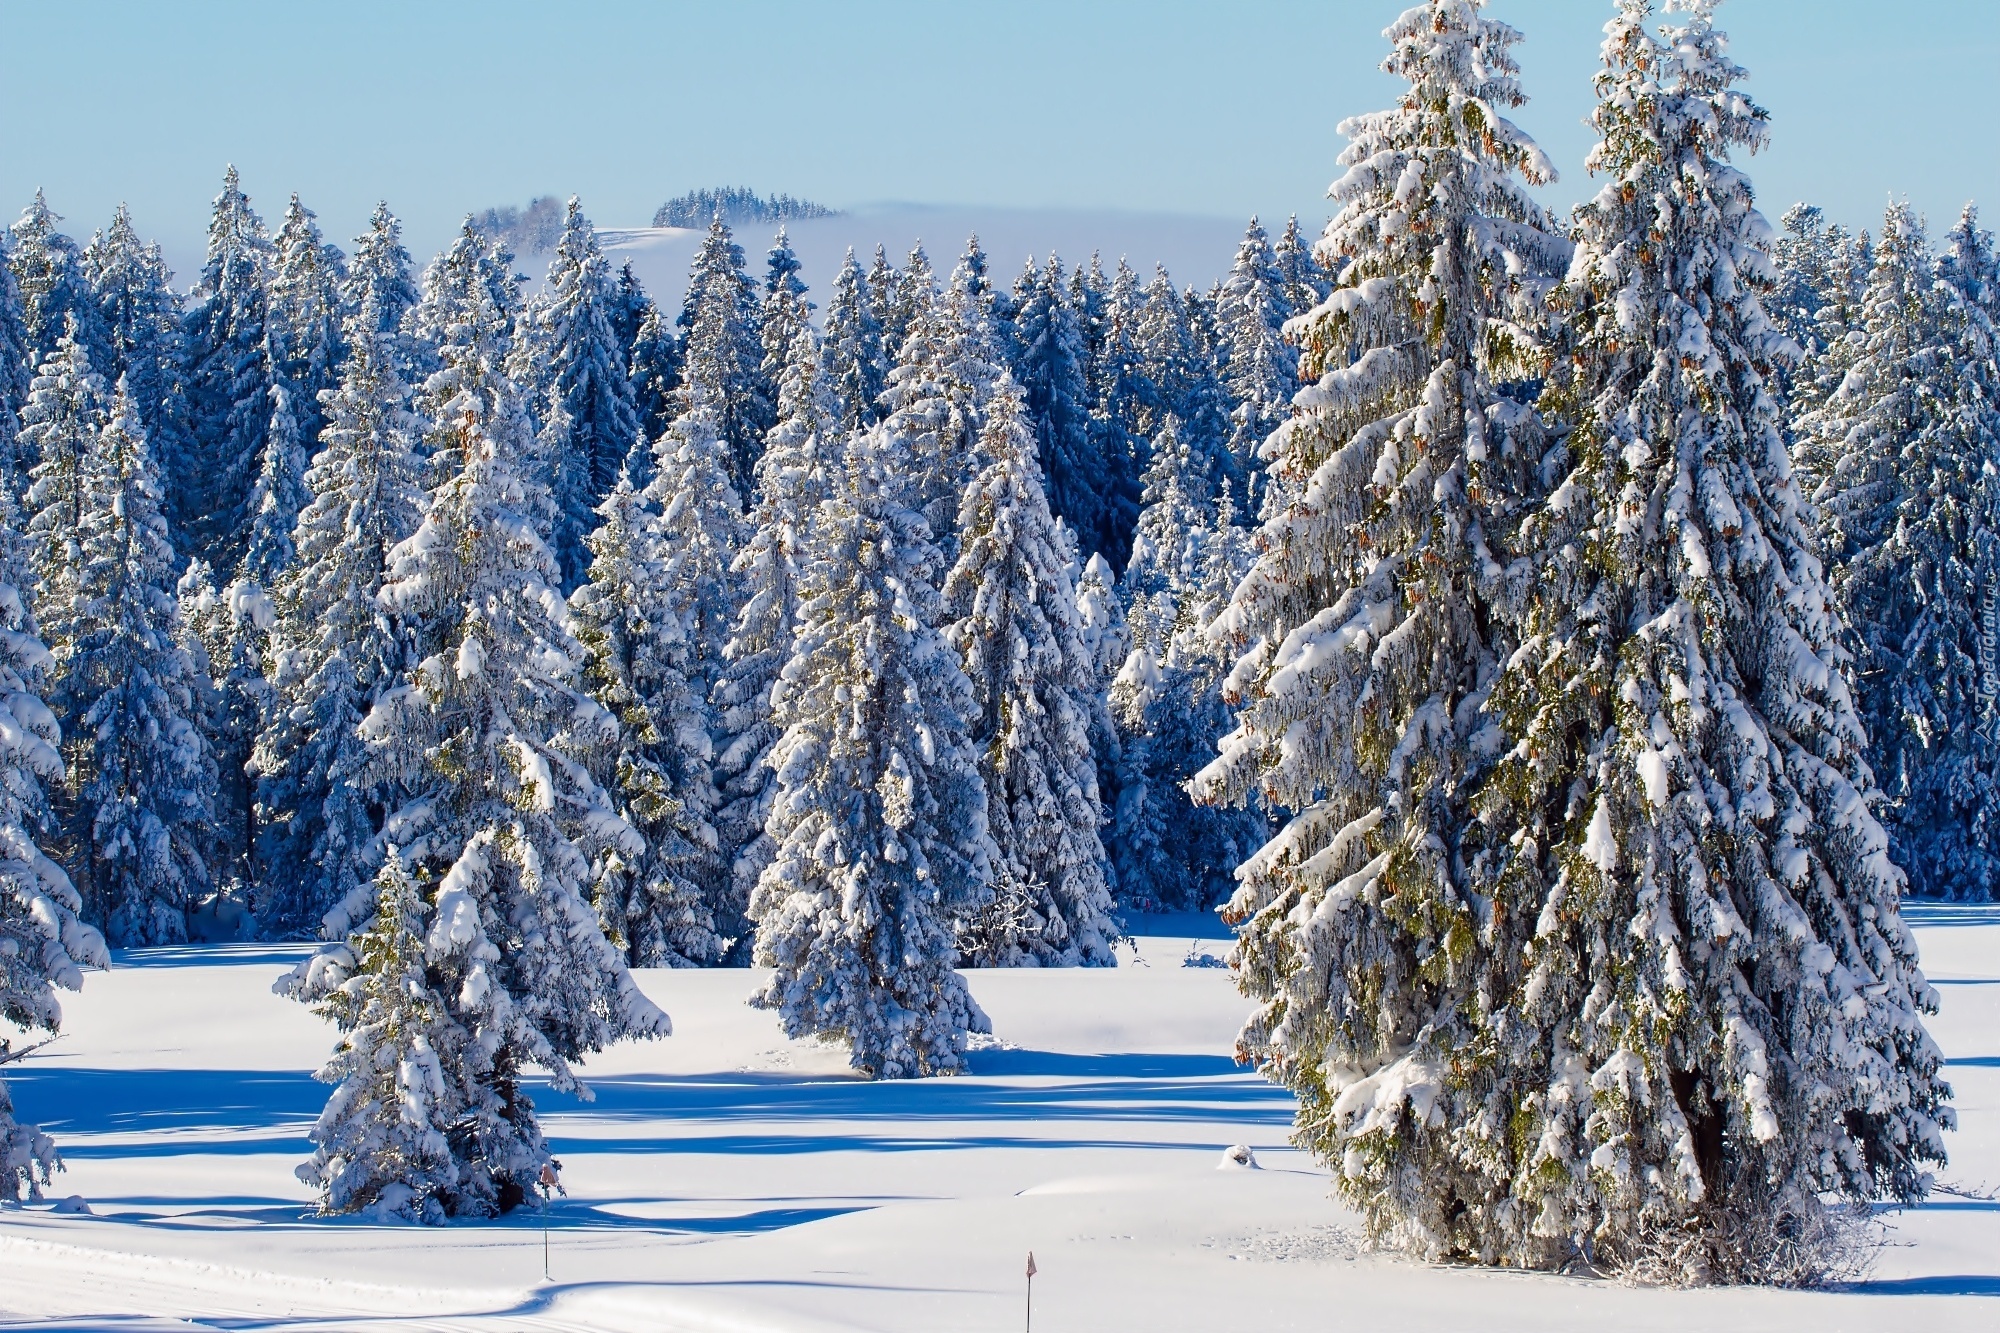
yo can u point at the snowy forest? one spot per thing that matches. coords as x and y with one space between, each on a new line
1557 644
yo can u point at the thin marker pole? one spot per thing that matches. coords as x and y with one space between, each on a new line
1031 1292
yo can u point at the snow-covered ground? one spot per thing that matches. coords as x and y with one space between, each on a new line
726 1179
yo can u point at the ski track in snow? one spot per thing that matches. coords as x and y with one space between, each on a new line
728 1180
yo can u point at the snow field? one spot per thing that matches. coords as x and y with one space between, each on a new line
727 1179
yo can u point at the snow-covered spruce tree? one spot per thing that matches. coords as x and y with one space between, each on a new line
1907 440
1260 370
379 293
463 328
590 421
141 779
1814 261
656 374
52 284
785 310
141 317
1011 600
222 629
1166 696
229 382
856 366
1695 1010
43 942
334 650
1306 280
1177 378
721 357
491 740
658 903
880 814
627 309
16 373
59 425
915 292
1050 368
793 477
406 1074
1370 637
937 398
306 314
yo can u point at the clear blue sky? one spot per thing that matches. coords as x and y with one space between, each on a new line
1176 105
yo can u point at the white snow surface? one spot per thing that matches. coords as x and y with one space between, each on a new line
726 1179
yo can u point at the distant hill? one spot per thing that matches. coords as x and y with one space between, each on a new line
737 206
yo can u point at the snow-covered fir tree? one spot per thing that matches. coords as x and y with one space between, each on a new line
141 781
1166 695
16 373
656 374
1370 631
1011 599
379 293
1306 280
141 318
658 902
306 311
794 476
627 309
857 369
785 310
910 299
1908 441
464 321
721 357
879 819
1049 362
590 421
1260 370
52 284
936 400
490 742
1175 379
407 1074
44 944
229 382
334 650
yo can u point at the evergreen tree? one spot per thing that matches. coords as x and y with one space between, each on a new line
464 328
1166 696
937 399
590 421
1260 370
882 283
785 310
1177 378
141 779
334 651
658 903
910 300
880 814
627 310
43 941
1307 282
52 285
379 294
721 355
1814 259
793 479
230 373
306 312
856 367
407 1075
1012 601
16 374
141 318
656 376
1906 504
493 742
1050 365
60 422
1370 631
